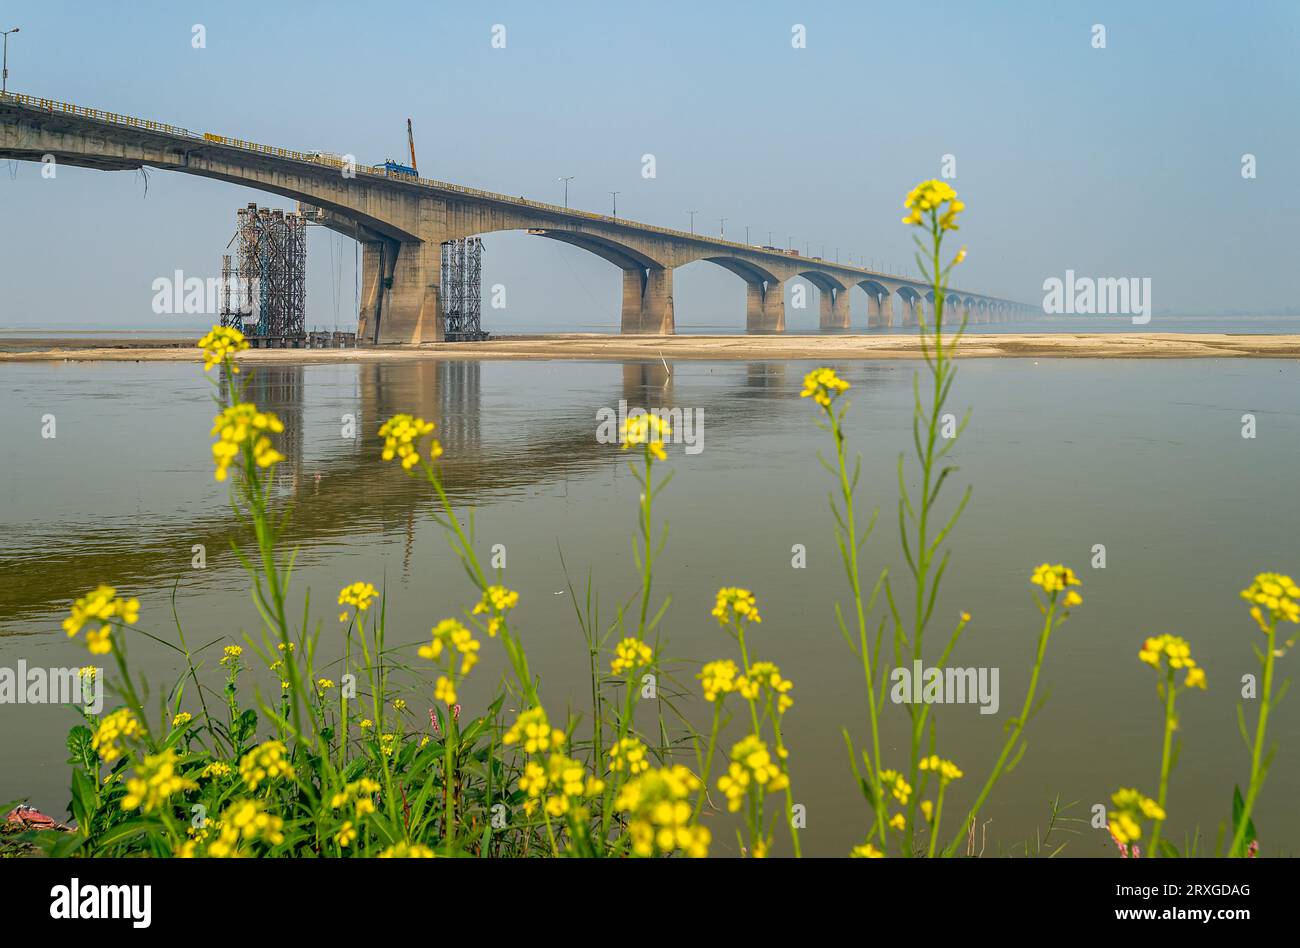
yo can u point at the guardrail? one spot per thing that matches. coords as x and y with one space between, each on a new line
67 108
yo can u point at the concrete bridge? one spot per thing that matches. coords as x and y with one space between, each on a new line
401 222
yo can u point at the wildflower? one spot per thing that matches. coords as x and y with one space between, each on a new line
360 793
399 704
928 197
718 678
897 821
121 725
533 733
265 762
453 633
444 690
244 821
866 851
568 780
100 606
88 672
360 595
751 765
388 743
927 809
823 386
346 835
766 675
218 769
497 600
182 719
407 851
243 425
647 429
1275 593
1177 653
230 654
323 685
1057 579
961 255
630 754
402 434
155 781
740 602
366 724
893 781
1131 808
220 344
630 654
946 769
659 814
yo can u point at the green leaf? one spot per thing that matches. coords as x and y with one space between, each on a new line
1238 808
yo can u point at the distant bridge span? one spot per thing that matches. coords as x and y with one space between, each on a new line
402 221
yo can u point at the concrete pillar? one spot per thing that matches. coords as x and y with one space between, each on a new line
879 313
887 310
835 313
765 306
400 283
648 301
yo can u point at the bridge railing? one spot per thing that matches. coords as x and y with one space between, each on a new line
338 164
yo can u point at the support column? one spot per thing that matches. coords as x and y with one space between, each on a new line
400 302
765 306
886 305
875 318
835 313
648 301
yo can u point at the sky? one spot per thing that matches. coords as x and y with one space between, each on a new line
1122 161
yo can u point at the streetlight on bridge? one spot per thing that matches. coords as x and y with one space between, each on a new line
566 188
614 195
722 227
692 213
4 75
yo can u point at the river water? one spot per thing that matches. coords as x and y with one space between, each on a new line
1146 458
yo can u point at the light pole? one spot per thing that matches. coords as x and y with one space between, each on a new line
722 227
769 238
746 233
566 188
692 213
614 195
4 75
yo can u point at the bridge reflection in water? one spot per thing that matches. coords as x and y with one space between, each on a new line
336 488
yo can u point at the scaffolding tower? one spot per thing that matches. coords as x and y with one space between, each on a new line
264 288
462 281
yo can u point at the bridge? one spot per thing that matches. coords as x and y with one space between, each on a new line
401 221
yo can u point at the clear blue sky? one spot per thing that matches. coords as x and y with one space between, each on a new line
1117 162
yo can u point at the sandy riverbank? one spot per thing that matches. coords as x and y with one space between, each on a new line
828 347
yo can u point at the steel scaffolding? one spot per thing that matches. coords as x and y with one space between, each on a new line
265 293
462 281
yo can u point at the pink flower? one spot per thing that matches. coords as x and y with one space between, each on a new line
433 719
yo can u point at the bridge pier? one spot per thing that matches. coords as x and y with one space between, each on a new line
648 301
880 310
835 311
765 306
400 286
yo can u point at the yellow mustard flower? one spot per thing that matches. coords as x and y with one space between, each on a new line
346 835
1177 653
222 343
1273 597
182 719
946 769
265 762
630 654
358 594
738 602
450 632
244 425
115 729
1057 579
402 434
497 600
866 851
896 784
242 822
751 766
407 851
823 386
1131 807
647 429
718 678
532 732
630 754
100 607
155 781
230 654
929 197
444 690
766 675
659 813
217 769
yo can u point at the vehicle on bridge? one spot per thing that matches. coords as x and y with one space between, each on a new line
393 167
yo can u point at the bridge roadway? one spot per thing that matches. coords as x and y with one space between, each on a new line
401 222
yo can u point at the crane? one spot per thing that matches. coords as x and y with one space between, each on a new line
410 138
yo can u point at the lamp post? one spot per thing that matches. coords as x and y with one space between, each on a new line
722 227
614 195
4 71
566 189
692 213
